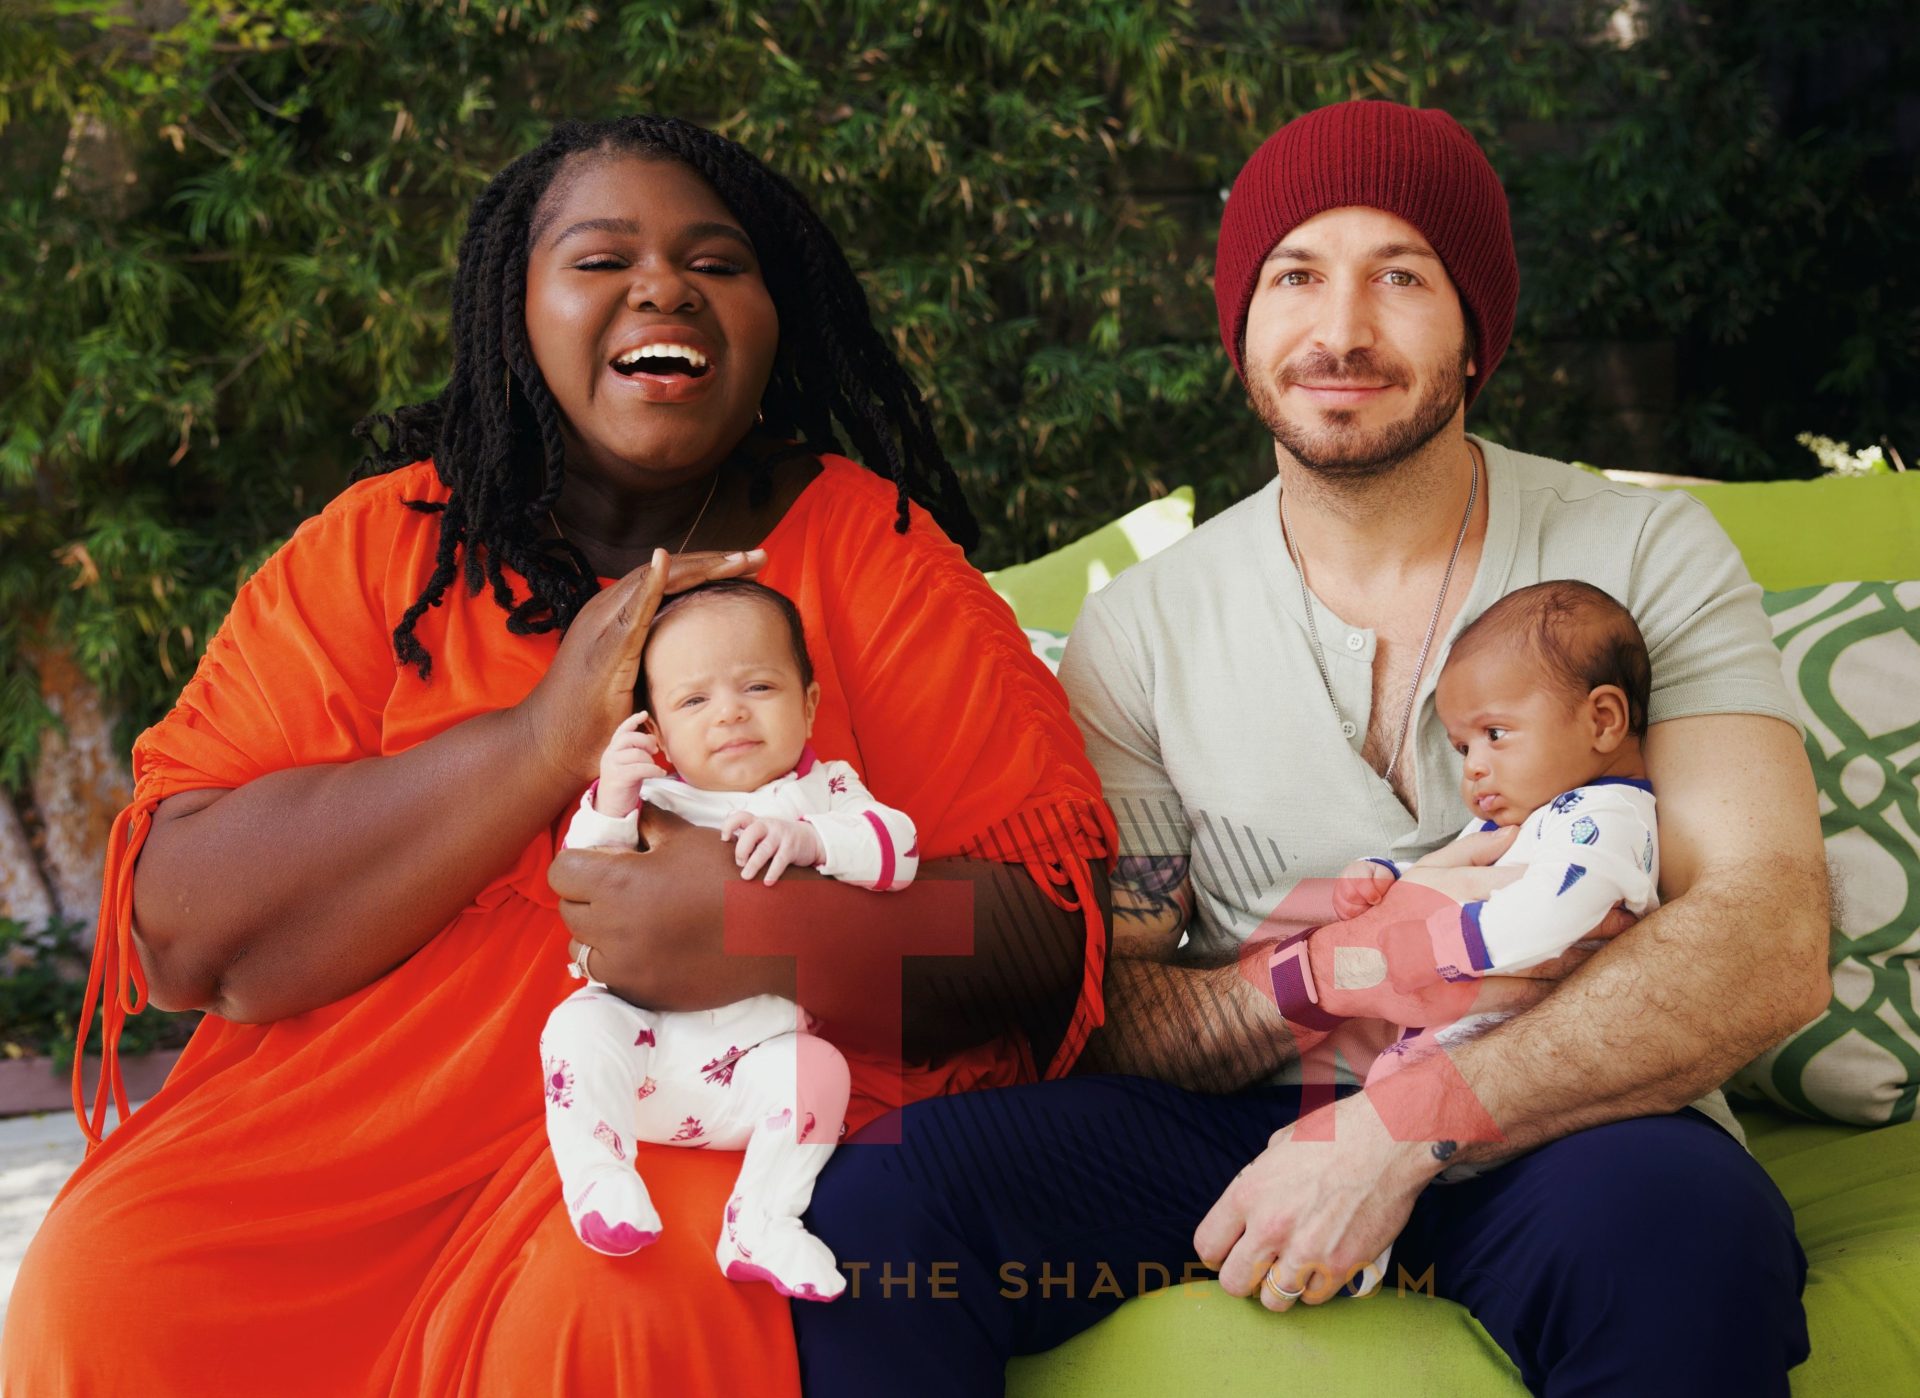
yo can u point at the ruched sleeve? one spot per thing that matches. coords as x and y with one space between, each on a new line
298 674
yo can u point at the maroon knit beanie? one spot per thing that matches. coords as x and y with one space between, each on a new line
1419 165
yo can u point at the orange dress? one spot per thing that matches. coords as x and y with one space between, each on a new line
359 1199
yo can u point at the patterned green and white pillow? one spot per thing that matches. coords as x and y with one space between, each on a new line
1852 655
1048 645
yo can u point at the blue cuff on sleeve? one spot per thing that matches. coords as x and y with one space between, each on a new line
1470 929
1386 864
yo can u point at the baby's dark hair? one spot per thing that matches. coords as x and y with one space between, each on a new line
494 431
1585 638
747 590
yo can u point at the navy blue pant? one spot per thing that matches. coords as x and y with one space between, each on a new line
1645 1257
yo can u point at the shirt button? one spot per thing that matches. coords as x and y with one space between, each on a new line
1348 728
1355 641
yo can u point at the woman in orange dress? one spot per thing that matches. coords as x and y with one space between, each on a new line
343 838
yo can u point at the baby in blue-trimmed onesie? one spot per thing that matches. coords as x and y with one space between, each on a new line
1545 698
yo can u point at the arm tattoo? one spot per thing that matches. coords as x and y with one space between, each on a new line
1152 888
1443 1150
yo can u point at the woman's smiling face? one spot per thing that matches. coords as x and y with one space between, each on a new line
648 318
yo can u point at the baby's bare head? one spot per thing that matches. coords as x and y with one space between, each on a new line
1547 690
736 590
727 682
1579 637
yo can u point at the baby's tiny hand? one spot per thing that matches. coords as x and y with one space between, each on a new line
1362 884
630 759
770 841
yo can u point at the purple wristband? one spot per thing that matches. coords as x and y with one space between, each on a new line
1293 988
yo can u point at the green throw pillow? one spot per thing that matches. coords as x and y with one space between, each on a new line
1046 593
1852 656
1803 533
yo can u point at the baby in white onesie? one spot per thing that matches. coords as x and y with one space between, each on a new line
729 686
1545 699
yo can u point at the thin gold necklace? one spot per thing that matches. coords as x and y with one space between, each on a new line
711 490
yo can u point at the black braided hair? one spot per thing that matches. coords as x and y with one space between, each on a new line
495 417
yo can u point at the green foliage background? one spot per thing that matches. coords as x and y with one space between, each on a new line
1029 190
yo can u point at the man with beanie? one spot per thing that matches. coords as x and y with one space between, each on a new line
1258 699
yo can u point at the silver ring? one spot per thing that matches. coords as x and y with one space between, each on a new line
579 967
1279 1290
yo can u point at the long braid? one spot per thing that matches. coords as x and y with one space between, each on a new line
834 374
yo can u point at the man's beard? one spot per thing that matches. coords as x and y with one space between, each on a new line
1338 449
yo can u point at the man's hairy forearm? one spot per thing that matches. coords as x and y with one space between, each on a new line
1663 1016
1207 1029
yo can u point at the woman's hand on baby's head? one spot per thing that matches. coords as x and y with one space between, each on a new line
769 841
686 570
630 759
589 687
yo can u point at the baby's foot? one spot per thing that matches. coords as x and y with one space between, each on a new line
778 1251
612 1213
1368 1279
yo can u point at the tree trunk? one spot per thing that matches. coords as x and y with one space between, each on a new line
53 836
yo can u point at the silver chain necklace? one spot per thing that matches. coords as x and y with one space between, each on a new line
1433 622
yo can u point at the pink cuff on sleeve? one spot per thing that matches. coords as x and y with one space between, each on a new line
594 791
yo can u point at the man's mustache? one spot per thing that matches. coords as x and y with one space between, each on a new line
1362 365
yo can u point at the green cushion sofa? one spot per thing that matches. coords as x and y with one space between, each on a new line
1855 1191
